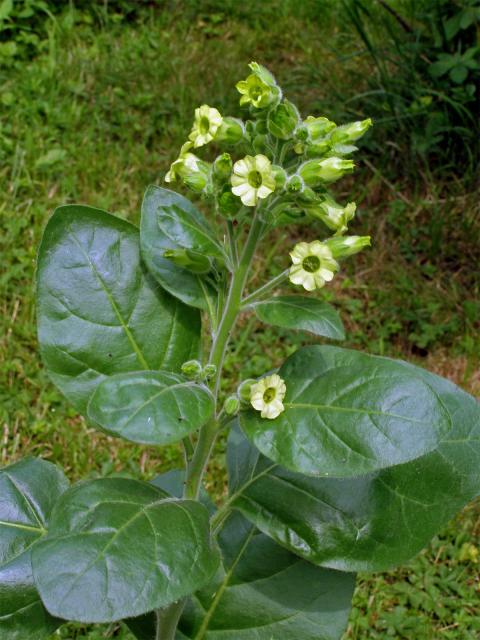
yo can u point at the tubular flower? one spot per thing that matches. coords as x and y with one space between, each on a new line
313 265
189 168
253 178
267 396
206 124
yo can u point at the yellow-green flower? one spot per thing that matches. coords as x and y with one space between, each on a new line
189 168
253 178
259 89
267 396
206 124
313 265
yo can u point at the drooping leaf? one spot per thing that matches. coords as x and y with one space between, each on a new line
348 413
170 221
118 548
301 313
99 311
28 492
151 407
372 522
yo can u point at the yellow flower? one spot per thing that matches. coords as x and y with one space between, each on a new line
206 124
313 265
252 179
267 395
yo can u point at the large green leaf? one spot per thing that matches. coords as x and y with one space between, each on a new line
301 313
99 311
152 407
262 592
170 221
28 490
348 413
265 592
118 548
369 523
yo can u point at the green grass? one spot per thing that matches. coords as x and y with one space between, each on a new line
99 115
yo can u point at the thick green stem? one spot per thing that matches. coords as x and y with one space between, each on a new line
167 621
231 310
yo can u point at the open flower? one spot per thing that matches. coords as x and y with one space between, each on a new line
253 178
206 124
267 395
313 265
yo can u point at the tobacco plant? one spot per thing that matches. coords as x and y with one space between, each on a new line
338 461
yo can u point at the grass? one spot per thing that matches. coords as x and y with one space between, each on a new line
97 116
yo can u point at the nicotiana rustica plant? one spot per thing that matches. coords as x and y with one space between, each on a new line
337 462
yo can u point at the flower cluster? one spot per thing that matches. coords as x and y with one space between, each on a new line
283 166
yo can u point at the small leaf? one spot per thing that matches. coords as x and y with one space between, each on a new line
119 548
301 313
348 413
28 490
170 221
150 407
99 311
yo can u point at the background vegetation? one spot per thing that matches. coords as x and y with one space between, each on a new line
95 101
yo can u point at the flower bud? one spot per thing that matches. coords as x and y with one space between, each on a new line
244 389
350 132
280 176
209 371
302 133
318 127
231 405
190 169
295 184
222 167
192 369
283 120
333 215
343 246
314 172
231 131
260 144
228 204
188 259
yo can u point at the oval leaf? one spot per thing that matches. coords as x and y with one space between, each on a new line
118 548
370 523
348 413
301 313
150 407
170 221
99 311
262 592
28 491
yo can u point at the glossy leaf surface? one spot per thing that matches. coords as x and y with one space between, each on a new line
170 221
118 548
369 523
99 311
151 407
265 592
302 314
28 492
348 413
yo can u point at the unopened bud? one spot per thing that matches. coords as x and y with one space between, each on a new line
231 405
209 371
231 131
314 172
244 390
228 204
295 184
350 132
283 120
222 166
192 369
318 127
343 246
280 176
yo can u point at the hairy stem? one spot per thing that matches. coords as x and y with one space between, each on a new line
231 310
167 621
266 288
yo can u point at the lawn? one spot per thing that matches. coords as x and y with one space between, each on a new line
99 112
